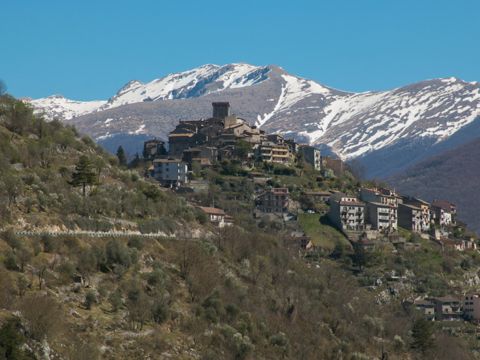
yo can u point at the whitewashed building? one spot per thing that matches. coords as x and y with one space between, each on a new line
347 212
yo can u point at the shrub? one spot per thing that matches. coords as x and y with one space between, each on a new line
117 254
242 346
7 290
166 225
10 261
201 217
279 340
156 277
160 311
67 270
232 311
49 243
43 317
116 300
136 242
11 239
90 299
12 340
213 307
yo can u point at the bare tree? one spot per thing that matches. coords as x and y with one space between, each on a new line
43 316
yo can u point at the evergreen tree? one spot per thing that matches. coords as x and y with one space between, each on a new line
122 158
422 334
242 149
359 257
11 341
84 174
135 162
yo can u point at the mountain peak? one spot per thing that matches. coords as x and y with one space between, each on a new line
352 124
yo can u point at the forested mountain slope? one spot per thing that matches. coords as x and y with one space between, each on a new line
453 174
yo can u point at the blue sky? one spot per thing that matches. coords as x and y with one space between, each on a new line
89 49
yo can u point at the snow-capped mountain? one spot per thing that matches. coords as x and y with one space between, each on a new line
193 83
361 123
58 107
389 129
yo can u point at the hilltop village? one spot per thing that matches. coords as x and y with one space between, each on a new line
367 214
225 242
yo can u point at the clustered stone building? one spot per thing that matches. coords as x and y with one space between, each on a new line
218 137
450 308
274 200
384 210
222 136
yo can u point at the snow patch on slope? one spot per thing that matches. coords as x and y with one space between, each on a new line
187 84
294 89
57 106
381 119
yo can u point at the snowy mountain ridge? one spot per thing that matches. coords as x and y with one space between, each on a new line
58 107
354 125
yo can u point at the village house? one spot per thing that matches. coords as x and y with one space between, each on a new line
236 129
275 200
216 216
380 195
203 155
367 244
427 308
471 307
383 217
311 155
292 145
300 238
470 244
410 217
455 244
444 212
318 196
269 151
170 172
188 134
347 212
426 210
447 308
153 148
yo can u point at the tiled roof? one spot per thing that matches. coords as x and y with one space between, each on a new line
443 204
446 299
318 193
378 204
212 210
181 135
280 190
167 161
410 207
423 303
352 203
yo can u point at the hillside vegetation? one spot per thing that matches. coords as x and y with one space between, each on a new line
439 175
193 291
